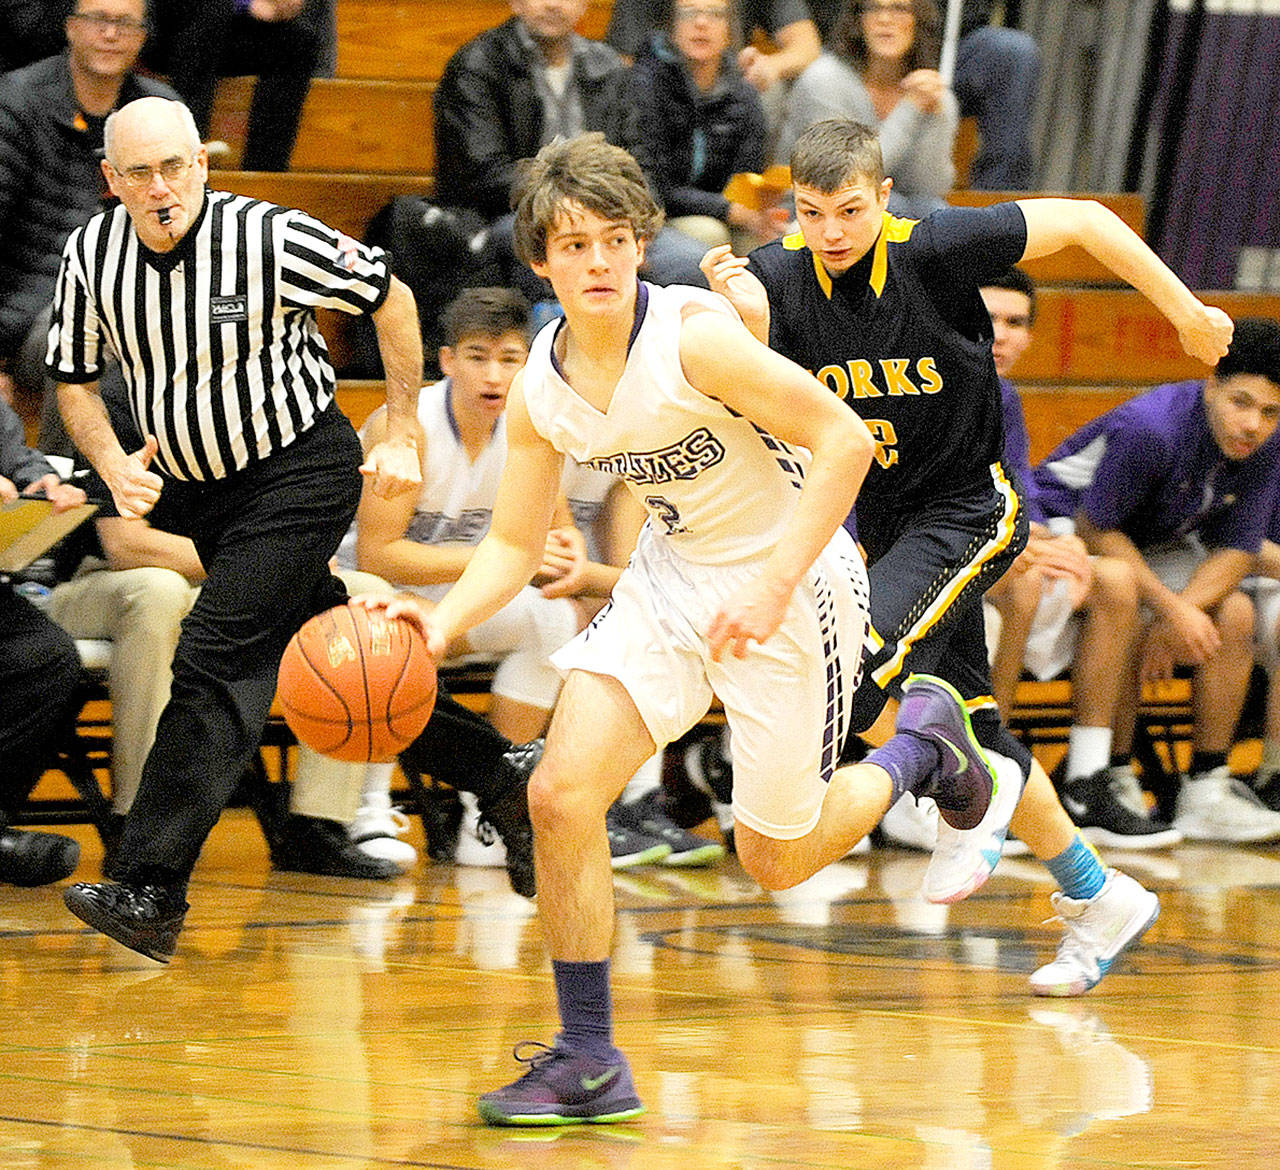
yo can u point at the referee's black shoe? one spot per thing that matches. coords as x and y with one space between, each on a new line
507 812
315 845
144 918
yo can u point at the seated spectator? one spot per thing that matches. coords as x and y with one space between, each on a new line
1180 484
51 119
39 671
997 75
787 23
880 69
30 30
280 42
514 88
699 123
1060 608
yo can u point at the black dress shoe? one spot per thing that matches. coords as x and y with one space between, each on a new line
508 814
315 845
36 859
146 919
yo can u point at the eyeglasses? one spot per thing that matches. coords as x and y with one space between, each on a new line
126 26
691 12
888 8
171 170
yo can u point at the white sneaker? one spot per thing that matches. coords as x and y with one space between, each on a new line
912 824
1098 930
477 845
1214 806
377 830
964 858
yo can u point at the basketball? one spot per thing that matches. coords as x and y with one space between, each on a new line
355 686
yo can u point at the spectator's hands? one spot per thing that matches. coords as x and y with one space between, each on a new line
924 88
8 490
1207 334
753 614
393 467
564 562
134 489
1061 557
274 11
1190 633
61 495
760 69
6 388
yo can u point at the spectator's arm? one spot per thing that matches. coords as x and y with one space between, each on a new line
1217 576
798 47
135 544
18 462
919 147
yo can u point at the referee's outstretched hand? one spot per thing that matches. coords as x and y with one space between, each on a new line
392 467
134 489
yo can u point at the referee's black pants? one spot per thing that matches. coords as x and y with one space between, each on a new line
265 536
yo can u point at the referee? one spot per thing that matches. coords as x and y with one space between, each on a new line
208 301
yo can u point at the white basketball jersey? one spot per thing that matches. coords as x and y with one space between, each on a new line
717 486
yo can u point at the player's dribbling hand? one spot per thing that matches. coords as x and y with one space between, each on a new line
1207 336
133 487
415 612
392 467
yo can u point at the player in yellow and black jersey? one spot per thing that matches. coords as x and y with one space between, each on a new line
887 312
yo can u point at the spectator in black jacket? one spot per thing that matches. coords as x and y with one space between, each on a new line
51 119
699 122
511 90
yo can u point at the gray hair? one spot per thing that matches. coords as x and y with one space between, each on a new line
184 116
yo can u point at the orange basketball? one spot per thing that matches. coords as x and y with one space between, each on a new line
356 686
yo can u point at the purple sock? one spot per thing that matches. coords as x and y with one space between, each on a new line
586 1007
909 759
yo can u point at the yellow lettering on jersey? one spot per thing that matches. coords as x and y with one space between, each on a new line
836 380
930 379
895 377
860 376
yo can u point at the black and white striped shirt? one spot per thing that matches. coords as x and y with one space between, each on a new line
217 338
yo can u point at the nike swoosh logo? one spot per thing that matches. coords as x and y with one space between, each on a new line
591 1084
961 760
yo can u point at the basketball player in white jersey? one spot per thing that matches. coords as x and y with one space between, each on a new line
743 581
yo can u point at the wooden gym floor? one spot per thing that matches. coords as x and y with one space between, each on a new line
318 1024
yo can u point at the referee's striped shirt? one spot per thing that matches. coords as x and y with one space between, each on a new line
217 338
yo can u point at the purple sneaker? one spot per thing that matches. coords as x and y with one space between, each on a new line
563 1088
965 782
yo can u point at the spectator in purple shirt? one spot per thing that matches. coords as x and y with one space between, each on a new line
1181 483
1264 589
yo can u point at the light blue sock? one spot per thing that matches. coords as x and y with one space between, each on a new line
1078 870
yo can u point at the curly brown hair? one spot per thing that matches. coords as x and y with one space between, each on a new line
587 171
